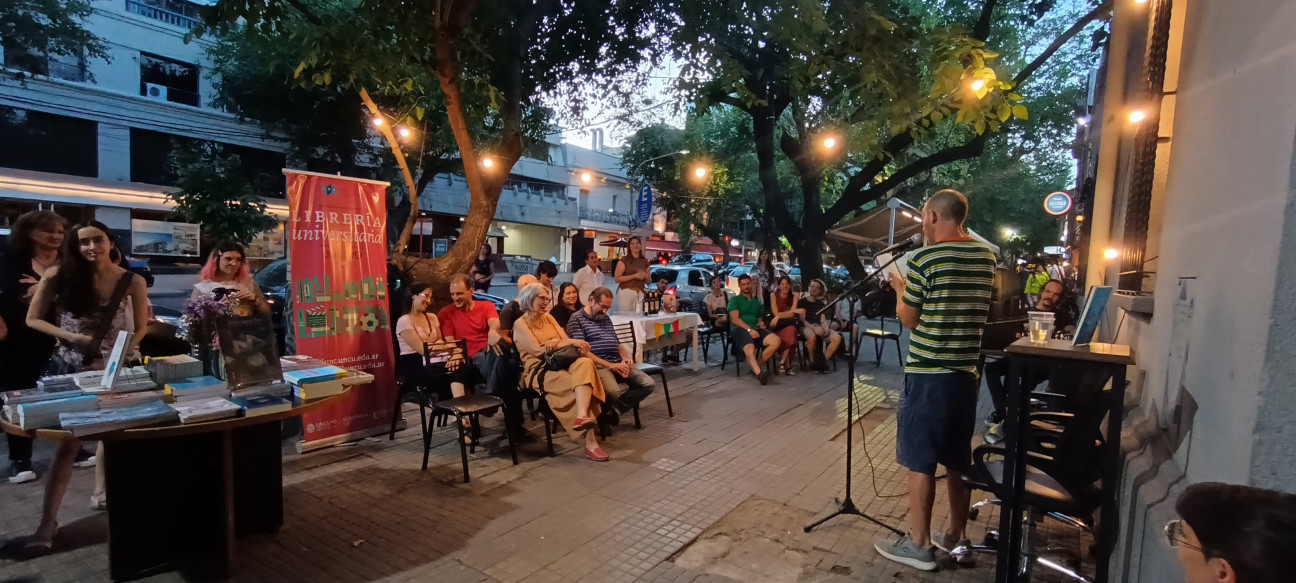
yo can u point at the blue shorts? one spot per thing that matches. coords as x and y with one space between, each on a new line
935 422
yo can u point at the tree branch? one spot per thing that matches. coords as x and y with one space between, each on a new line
1070 33
876 191
305 12
981 31
410 185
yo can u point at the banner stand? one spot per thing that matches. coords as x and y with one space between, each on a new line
303 446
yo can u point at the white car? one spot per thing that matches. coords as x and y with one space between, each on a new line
732 282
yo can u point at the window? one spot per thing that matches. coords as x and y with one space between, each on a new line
151 160
667 274
57 67
695 279
174 12
168 80
48 143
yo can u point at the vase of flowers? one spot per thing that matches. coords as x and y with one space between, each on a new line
198 327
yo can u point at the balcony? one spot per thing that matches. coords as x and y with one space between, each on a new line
176 13
609 217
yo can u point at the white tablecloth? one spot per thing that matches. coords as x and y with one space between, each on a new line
683 325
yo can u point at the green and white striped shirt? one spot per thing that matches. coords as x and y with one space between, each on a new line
950 284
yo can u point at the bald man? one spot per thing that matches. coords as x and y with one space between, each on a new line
945 301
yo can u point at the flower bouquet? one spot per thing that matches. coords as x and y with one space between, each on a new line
198 328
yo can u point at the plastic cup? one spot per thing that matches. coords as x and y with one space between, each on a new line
1040 327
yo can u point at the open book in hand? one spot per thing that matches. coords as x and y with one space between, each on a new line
900 268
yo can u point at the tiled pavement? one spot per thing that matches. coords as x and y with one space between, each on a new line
775 453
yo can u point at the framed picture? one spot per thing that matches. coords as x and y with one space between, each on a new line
248 350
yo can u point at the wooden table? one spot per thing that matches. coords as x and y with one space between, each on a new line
1111 359
179 493
647 337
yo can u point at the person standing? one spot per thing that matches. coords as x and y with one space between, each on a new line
590 277
226 277
483 270
631 277
945 301
766 276
25 353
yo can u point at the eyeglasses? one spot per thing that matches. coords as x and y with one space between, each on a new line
1175 536
425 296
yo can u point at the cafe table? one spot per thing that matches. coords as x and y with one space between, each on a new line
661 330
182 493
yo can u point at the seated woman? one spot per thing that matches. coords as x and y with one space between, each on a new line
784 312
717 304
569 303
815 327
575 395
414 332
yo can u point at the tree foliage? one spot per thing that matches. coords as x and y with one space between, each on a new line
33 31
903 87
485 63
215 191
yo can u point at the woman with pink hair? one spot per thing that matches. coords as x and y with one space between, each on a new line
226 277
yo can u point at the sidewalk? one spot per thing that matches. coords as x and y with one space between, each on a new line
718 493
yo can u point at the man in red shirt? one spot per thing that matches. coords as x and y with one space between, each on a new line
477 323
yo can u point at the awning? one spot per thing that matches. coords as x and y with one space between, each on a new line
706 248
661 246
873 229
621 242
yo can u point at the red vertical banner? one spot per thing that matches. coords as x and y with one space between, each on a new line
337 257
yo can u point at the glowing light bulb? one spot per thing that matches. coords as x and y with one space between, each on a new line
978 84
377 121
586 177
1111 253
700 172
404 132
487 162
830 143
1137 116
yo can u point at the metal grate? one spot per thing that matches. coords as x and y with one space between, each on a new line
1138 203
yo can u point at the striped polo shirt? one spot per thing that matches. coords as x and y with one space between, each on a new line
598 331
950 284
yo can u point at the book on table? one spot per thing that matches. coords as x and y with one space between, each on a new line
141 415
118 400
47 393
314 375
42 414
248 350
318 390
258 405
116 360
206 410
167 369
272 389
196 388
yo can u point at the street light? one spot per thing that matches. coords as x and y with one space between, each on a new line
829 143
700 172
1009 233
487 163
1111 253
586 177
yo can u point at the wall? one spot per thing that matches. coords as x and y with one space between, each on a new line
1225 223
536 241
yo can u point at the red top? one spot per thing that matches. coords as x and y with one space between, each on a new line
782 304
471 325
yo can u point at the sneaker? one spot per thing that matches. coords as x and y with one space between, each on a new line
994 418
945 542
994 434
21 472
84 459
905 551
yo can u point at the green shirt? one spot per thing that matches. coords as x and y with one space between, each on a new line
950 285
749 309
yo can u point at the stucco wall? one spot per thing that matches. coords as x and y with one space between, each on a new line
1225 223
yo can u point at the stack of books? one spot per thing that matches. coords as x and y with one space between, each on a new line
147 413
206 410
316 383
116 400
39 393
40 414
169 369
300 362
197 389
273 389
129 379
261 405
58 381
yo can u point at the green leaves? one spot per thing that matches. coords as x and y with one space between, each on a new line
1019 112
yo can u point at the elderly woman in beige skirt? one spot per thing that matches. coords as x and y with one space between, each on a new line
575 395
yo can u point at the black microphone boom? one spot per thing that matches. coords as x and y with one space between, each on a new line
903 246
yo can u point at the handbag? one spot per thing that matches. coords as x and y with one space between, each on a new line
561 359
103 318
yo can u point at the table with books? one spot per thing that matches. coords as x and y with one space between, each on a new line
190 463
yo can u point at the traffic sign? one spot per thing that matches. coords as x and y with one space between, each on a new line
644 203
1057 204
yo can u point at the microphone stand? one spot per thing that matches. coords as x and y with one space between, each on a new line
848 505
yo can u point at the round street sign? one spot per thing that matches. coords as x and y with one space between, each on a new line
1057 204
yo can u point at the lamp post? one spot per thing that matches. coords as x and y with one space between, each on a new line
633 221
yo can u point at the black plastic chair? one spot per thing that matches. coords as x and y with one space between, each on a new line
441 358
625 335
880 336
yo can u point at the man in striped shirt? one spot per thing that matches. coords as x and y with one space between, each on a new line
945 301
616 366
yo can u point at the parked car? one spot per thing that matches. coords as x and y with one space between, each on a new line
273 281
693 259
687 282
731 282
141 267
795 274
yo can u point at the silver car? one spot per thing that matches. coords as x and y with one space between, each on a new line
691 283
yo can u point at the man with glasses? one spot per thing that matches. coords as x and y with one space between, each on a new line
615 363
1233 534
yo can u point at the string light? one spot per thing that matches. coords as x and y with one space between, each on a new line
978 84
1137 116
700 172
377 121
830 142
404 132
1111 253
487 162
586 177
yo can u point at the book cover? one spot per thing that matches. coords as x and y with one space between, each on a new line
116 359
90 422
248 349
41 394
314 375
261 405
1092 315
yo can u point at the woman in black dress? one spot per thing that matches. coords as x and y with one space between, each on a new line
24 353
483 270
568 303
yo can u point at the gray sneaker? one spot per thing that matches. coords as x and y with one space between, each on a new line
960 550
905 551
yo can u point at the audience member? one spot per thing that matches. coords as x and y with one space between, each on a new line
1233 534
572 389
415 331
478 325
768 282
996 372
483 270
717 304
36 241
94 299
784 320
589 277
615 363
746 327
568 303
815 327
631 277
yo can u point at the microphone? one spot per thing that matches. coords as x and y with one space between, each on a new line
901 247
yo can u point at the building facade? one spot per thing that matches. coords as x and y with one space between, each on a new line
90 138
1194 194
